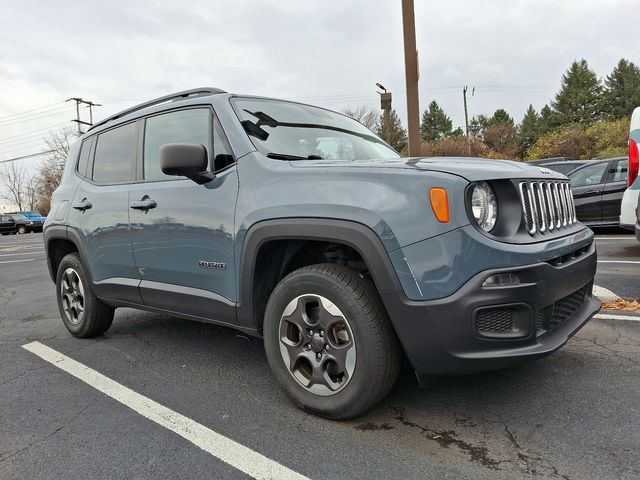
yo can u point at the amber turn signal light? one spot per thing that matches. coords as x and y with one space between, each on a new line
440 204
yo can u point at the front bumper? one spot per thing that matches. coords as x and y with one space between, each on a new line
449 336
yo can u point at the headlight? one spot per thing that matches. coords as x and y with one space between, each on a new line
30 223
484 206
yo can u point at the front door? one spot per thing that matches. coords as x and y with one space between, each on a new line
182 232
586 185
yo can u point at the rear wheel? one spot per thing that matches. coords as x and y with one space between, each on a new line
329 341
82 312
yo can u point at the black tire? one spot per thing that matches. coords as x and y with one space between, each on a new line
21 230
375 345
92 317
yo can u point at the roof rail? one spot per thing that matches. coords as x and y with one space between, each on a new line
194 92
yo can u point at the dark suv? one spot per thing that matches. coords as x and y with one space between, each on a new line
298 224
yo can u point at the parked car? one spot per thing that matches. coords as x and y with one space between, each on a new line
559 164
597 188
23 224
225 208
632 194
7 224
35 217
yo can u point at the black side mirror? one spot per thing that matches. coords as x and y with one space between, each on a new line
186 160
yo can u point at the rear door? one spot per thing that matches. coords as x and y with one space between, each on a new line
100 211
183 242
587 184
614 189
7 225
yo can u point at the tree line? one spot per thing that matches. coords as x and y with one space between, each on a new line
32 191
587 118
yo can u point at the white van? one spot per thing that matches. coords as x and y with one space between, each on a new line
630 198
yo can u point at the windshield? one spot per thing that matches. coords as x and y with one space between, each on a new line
292 131
19 217
34 214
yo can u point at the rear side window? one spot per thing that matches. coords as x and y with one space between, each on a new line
115 152
83 161
620 173
184 126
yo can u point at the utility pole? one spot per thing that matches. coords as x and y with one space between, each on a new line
411 77
90 104
466 115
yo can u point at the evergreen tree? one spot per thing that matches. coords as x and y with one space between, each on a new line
579 98
435 123
500 117
547 120
458 132
529 130
622 90
391 131
477 125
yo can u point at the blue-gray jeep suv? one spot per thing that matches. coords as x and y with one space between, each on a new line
298 224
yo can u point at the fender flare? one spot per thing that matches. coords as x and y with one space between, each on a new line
355 235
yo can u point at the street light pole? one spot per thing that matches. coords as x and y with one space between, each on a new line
411 77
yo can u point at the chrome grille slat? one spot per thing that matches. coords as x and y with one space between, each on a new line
546 206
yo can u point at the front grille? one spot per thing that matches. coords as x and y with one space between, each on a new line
546 206
551 317
495 320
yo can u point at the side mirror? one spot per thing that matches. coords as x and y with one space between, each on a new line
186 160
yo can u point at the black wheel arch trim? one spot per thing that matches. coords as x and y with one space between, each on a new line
63 232
355 235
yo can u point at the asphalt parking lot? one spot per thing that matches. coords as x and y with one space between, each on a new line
573 415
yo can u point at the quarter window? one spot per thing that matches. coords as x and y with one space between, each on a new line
115 151
184 126
83 162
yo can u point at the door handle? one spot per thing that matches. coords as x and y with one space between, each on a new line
144 204
83 205
591 192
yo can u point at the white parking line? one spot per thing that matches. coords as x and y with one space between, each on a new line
233 453
630 237
18 261
609 316
604 295
635 262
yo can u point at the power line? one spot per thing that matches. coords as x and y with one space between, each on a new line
34 131
32 110
24 157
35 117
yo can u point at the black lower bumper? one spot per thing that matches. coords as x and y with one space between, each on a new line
482 328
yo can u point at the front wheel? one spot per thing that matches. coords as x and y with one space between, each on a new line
329 341
82 312
21 230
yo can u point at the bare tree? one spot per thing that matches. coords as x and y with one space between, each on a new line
14 184
50 170
32 197
364 115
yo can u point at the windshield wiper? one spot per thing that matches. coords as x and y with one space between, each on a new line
286 156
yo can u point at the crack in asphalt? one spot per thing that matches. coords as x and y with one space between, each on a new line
8 455
611 351
21 374
529 464
529 460
445 438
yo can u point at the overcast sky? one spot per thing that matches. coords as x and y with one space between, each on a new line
326 52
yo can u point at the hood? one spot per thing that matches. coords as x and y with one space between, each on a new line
473 169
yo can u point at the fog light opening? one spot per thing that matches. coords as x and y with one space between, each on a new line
501 280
